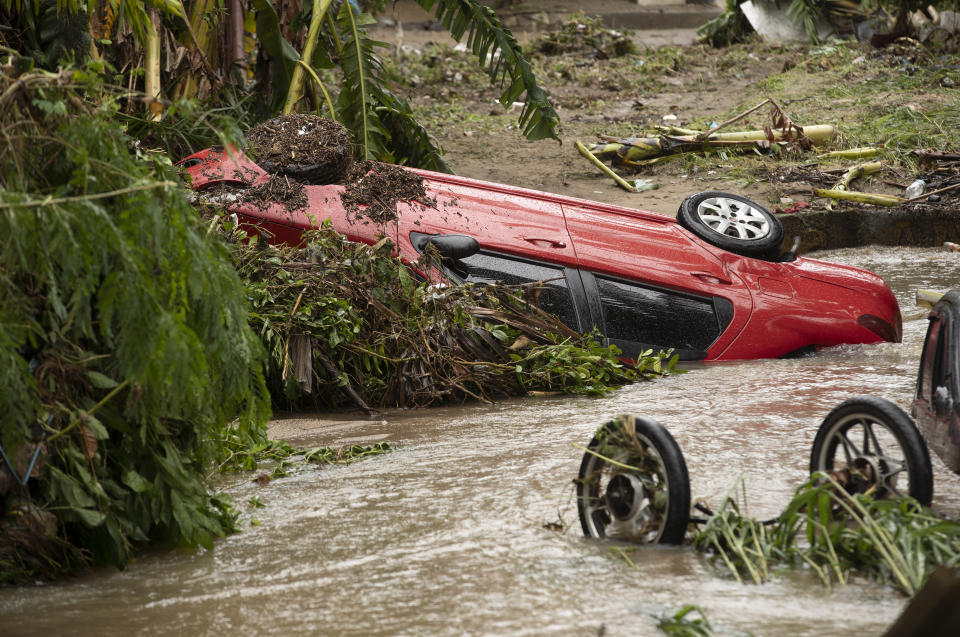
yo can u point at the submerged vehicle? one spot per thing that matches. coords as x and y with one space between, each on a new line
712 284
878 444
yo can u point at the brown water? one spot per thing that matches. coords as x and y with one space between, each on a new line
445 535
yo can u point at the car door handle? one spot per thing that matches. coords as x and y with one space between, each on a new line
710 277
553 243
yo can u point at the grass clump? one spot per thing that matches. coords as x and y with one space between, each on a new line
689 621
897 542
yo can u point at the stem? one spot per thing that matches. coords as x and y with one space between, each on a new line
296 84
76 421
855 172
50 201
860 197
599 164
705 135
151 82
323 89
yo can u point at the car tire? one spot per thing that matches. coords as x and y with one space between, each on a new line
643 495
336 161
328 172
866 460
733 223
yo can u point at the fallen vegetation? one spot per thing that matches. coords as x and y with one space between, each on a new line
109 289
346 323
897 542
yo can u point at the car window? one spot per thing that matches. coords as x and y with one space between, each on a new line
931 361
554 297
656 318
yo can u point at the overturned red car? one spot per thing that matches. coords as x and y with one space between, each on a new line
711 284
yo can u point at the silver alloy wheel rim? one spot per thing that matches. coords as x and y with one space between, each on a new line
886 469
635 525
733 218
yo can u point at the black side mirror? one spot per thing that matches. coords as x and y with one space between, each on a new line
450 246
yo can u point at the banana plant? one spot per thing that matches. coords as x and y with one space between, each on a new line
382 123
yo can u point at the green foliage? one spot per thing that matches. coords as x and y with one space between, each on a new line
124 345
188 126
373 328
894 541
283 456
729 27
689 621
383 124
500 54
586 367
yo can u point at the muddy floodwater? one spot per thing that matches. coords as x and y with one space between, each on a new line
446 535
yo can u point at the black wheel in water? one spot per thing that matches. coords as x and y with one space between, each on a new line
733 223
633 484
870 445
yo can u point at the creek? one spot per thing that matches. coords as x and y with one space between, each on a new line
448 534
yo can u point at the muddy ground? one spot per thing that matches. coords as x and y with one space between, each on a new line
900 99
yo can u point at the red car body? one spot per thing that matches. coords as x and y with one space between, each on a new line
639 277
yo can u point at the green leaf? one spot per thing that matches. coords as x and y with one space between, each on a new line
90 517
282 54
97 427
100 381
136 482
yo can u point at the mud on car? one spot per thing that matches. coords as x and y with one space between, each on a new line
712 284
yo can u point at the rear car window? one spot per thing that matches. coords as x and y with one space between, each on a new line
555 297
635 316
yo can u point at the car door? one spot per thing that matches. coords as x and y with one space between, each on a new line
649 286
937 399
503 220
522 237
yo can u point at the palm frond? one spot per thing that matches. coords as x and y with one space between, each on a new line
382 123
500 54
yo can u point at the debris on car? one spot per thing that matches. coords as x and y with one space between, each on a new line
311 149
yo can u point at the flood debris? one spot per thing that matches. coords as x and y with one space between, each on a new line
781 130
897 542
675 141
582 34
814 22
378 337
374 189
312 149
280 189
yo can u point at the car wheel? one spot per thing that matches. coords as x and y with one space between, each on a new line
327 172
870 445
733 223
633 484
330 155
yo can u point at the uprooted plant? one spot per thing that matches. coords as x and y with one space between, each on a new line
348 323
894 541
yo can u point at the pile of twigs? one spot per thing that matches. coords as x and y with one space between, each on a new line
348 323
